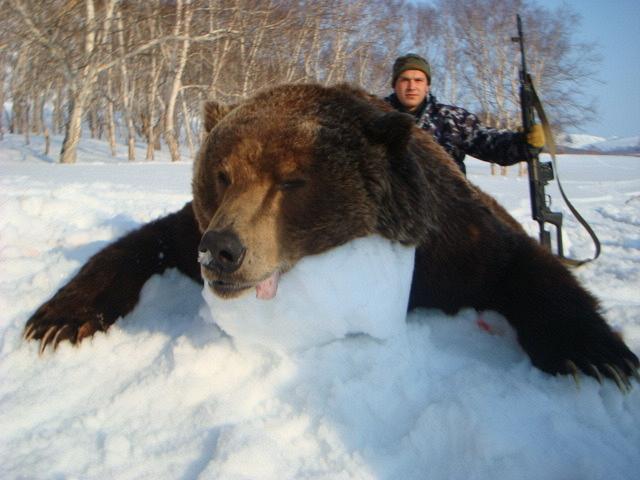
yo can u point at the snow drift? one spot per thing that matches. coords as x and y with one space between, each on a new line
361 287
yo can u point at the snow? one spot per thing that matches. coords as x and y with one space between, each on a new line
324 298
166 394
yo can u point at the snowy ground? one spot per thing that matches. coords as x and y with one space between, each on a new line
165 396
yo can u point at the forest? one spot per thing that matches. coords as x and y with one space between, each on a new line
131 71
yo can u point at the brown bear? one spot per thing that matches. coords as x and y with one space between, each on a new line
300 169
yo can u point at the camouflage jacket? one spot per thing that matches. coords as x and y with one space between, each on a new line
461 133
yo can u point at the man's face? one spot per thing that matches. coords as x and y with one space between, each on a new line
411 88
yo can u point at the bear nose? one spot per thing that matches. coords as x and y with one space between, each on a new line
221 250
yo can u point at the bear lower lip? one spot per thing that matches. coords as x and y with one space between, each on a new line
224 289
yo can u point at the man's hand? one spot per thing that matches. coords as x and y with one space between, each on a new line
535 137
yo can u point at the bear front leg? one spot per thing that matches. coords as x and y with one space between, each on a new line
108 286
559 323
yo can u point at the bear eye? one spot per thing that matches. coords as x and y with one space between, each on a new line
291 184
223 179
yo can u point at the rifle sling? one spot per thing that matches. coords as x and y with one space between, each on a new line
551 147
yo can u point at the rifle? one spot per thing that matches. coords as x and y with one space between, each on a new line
540 173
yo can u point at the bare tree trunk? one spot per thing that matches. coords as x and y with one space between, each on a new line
111 127
363 68
26 128
58 114
522 169
151 142
85 80
220 56
184 14
337 65
73 128
155 71
37 118
2 93
451 61
187 127
311 66
72 136
14 126
47 141
131 134
256 45
125 90
80 93
94 126
17 91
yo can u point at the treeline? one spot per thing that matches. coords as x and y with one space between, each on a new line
141 70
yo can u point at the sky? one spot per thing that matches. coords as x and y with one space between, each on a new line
615 27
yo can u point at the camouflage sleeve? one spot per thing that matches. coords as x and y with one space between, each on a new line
500 146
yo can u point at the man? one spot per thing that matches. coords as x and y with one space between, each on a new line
457 130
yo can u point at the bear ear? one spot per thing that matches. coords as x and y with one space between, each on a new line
213 113
392 129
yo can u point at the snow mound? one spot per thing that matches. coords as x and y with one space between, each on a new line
361 287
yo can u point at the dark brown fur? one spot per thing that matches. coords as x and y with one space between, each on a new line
298 170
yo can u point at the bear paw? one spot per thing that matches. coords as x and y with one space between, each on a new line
55 322
598 352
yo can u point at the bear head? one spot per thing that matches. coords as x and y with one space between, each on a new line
298 170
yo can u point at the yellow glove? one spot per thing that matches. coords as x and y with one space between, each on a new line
535 137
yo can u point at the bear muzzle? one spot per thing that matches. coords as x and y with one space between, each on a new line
221 253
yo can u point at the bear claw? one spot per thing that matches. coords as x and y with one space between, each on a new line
45 338
573 370
52 324
634 370
620 378
57 339
29 332
55 334
596 373
618 374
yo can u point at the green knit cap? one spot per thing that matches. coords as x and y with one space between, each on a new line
410 61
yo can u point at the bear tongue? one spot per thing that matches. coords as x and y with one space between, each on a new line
266 289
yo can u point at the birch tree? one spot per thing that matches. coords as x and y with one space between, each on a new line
83 79
177 59
142 69
127 87
3 78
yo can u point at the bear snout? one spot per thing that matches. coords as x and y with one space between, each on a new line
221 251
